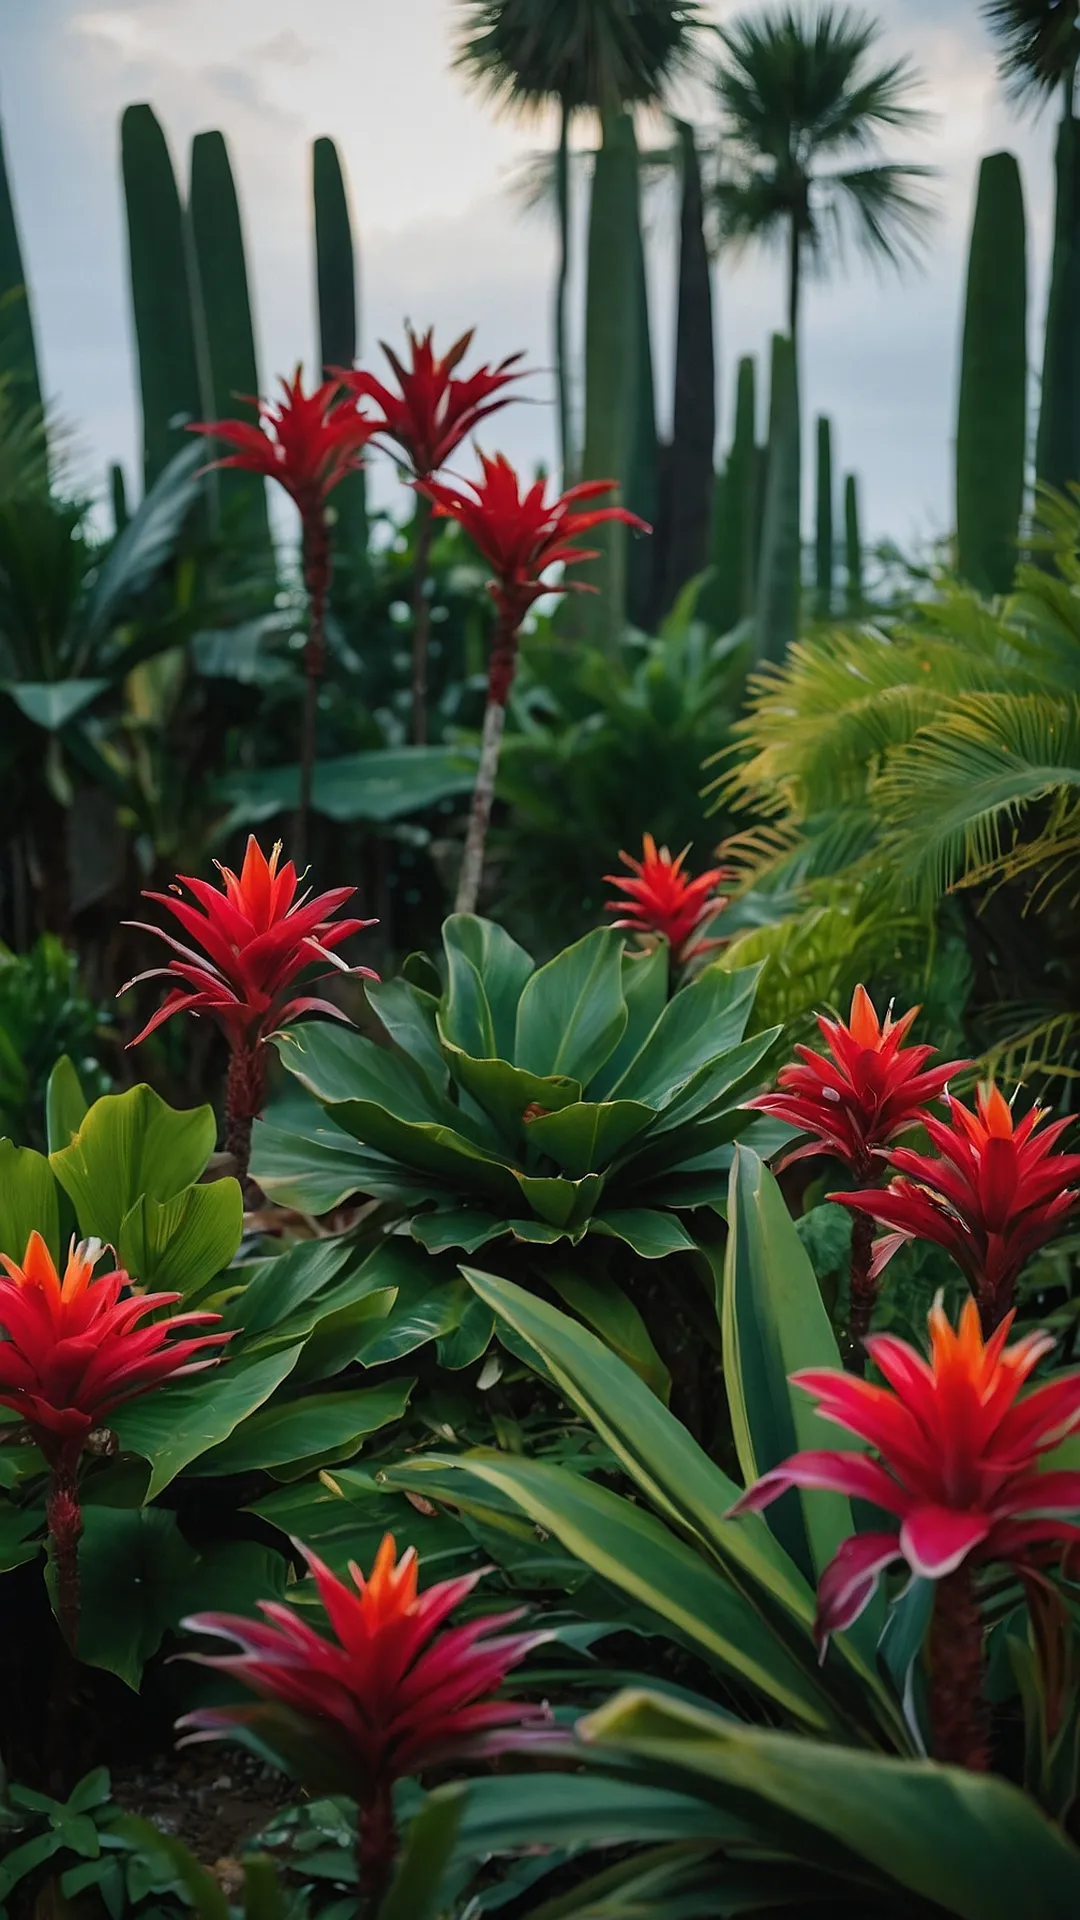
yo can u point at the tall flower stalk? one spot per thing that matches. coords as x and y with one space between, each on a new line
423 423
257 939
388 1697
521 534
308 443
958 1468
72 1351
852 1101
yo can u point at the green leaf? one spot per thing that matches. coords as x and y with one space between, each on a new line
562 1203
701 1022
461 1227
316 1172
583 1137
172 1426
486 971
429 1303
605 1308
429 1842
20 1530
636 1553
651 1234
282 1295
971 1843
409 1018
469 1339
65 1104
131 1560
315 1431
774 1323
380 784
572 1014
645 990
180 1245
130 1144
28 1201
571 1810
52 704
504 1091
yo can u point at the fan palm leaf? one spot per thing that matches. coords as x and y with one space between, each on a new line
1038 44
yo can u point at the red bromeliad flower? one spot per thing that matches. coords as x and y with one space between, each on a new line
664 900
309 443
997 1193
72 1351
256 939
958 1468
872 1088
521 533
435 408
388 1698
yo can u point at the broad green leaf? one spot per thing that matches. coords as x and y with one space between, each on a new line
651 1234
505 1092
486 971
131 1561
645 990
180 1245
318 1171
172 1426
338 1337
18 1528
716 1086
774 1323
379 784
571 1810
460 1227
469 1339
51 704
409 1018
970 1842
584 1137
65 1104
130 1144
702 1021
572 1014
429 1303
631 1548
562 1203
283 1292
343 1069
28 1201
416 1892
315 1431
606 1308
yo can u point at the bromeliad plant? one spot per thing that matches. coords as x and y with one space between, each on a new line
663 902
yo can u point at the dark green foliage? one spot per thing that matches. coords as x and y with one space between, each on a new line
44 1013
688 490
118 497
1057 447
586 53
335 279
230 338
991 431
18 355
853 593
777 610
729 596
823 522
1039 42
164 293
642 489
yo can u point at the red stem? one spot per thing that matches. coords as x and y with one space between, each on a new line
317 570
959 1719
63 1516
863 1289
376 1850
245 1093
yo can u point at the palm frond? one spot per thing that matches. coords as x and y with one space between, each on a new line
885 207
602 54
1038 44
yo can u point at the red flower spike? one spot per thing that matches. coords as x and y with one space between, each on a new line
73 1349
665 900
256 938
872 1087
958 1450
521 533
307 442
997 1193
434 410
388 1697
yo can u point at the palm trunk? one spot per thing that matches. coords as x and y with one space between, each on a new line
317 564
421 620
500 677
562 187
794 275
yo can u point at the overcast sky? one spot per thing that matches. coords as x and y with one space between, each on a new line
442 237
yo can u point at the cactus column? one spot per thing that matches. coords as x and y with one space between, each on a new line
853 596
991 429
777 611
689 488
18 354
335 276
823 528
164 292
1057 448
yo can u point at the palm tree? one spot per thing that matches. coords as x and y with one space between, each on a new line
578 55
1039 53
804 106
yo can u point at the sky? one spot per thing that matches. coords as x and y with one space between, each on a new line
443 235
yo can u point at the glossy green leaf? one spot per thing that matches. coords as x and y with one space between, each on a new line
380 784
472 1336
131 1560
651 1234
52 704
28 1201
584 1137
172 1426
428 1304
572 1810
645 990
179 1245
464 1228
130 1144
774 1324
634 1551
702 1020
65 1104
344 1069
505 1092
416 1892
971 1843
20 1534
408 1015
283 1293
314 1431
606 1308
572 1014
562 1203
486 972
317 1171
